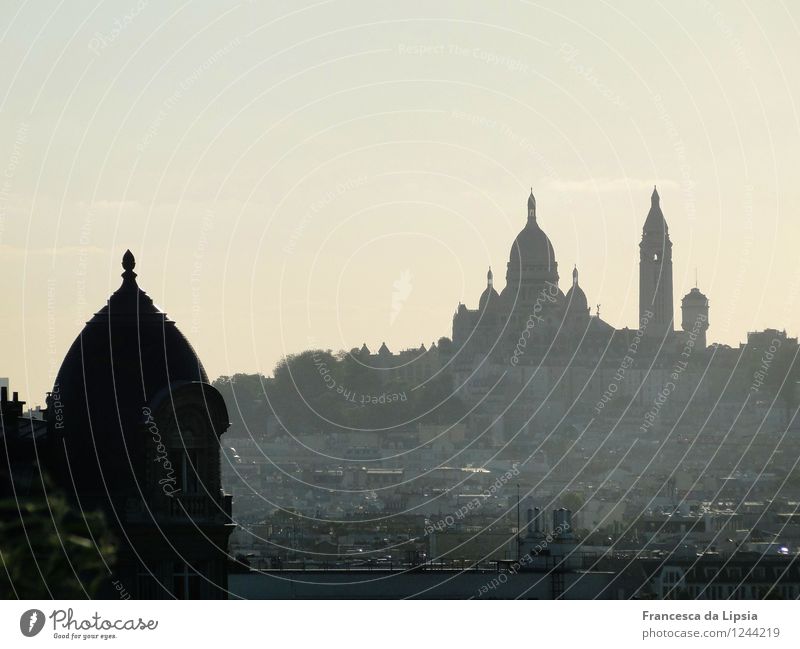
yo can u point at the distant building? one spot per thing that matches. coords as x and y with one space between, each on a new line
19 435
531 343
534 357
655 273
532 312
694 321
742 575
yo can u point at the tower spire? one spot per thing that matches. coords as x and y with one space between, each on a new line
655 273
655 223
489 278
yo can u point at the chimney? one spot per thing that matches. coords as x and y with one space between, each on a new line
11 410
537 520
561 521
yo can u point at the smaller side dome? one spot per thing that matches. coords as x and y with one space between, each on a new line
489 297
576 299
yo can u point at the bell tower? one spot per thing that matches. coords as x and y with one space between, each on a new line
655 273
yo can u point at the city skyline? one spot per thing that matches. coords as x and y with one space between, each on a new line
400 293
375 300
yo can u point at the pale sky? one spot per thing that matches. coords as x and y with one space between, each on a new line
294 174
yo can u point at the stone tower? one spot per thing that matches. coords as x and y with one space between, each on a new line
655 273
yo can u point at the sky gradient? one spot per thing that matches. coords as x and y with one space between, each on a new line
326 174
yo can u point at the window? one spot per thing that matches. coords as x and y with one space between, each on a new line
147 585
189 468
655 256
189 434
186 582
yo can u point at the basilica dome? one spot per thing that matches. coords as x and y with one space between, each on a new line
532 247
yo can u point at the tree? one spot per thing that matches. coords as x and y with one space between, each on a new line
48 549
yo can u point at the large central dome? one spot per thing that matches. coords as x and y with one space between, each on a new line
532 248
532 260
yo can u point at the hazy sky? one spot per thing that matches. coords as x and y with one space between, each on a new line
292 174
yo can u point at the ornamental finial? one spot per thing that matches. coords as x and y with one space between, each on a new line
128 264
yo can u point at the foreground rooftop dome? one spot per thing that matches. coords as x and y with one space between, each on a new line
127 355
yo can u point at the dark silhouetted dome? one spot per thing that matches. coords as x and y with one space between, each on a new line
128 353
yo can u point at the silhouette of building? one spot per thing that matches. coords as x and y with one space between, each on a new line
741 575
19 435
694 311
532 307
134 431
538 345
655 272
